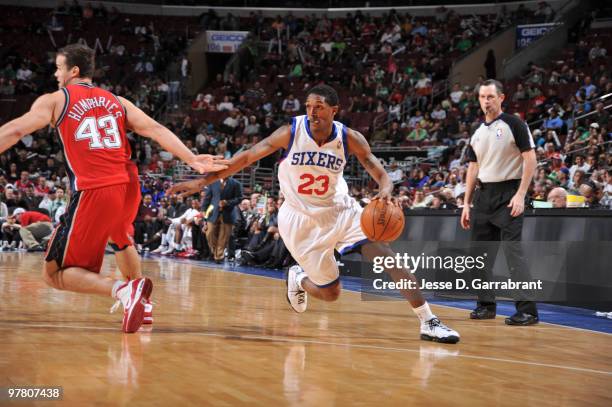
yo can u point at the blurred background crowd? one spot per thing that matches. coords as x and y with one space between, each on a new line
391 73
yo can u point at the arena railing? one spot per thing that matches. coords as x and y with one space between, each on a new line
605 143
599 99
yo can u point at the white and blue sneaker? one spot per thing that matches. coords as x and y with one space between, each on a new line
297 297
436 331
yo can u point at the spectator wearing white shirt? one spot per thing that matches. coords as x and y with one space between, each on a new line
53 201
423 89
459 189
395 111
597 51
188 215
415 119
580 164
423 82
438 113
58 214
456 161
231 121
252 128
456 94
163 87
23 73
395 173
200 140
327 46
178 234
291 104
390 36
387 35
226 105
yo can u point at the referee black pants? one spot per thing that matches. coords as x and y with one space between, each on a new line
491 222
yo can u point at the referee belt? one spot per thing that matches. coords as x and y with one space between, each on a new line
499 186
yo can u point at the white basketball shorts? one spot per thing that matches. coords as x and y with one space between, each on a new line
311 240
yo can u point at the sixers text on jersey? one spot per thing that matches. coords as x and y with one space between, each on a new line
319 159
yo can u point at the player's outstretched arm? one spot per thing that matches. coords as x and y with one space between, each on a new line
142 124
39 116
358 145
279 139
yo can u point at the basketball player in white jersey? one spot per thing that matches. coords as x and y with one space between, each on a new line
318 215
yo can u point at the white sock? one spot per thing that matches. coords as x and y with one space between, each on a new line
423 312
118 284
299 279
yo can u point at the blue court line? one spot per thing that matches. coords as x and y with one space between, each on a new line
550 313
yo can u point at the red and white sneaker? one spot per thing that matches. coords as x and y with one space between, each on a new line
134 295
148 313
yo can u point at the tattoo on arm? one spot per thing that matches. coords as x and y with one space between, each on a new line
358 145
259 148
369 162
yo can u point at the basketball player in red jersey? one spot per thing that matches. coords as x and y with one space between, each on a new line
318 216
91 124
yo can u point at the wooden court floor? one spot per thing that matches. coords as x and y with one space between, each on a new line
226 339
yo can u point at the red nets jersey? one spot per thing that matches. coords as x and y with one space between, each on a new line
92 130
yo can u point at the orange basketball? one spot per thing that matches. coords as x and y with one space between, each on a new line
382 221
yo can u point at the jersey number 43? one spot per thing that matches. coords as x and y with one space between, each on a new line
91 130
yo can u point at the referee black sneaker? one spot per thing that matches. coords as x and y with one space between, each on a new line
483 312
521 318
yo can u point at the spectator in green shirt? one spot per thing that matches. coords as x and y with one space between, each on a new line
339 45
465 43
418 134
296 72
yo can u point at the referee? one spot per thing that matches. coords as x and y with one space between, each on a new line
502 162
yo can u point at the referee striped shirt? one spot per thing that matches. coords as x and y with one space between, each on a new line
497 146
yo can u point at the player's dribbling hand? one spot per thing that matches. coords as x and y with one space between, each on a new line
386 196
208 163
185 189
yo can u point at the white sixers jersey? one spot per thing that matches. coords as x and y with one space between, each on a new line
311 176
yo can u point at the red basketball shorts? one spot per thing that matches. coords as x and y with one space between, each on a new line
92 218
125 235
